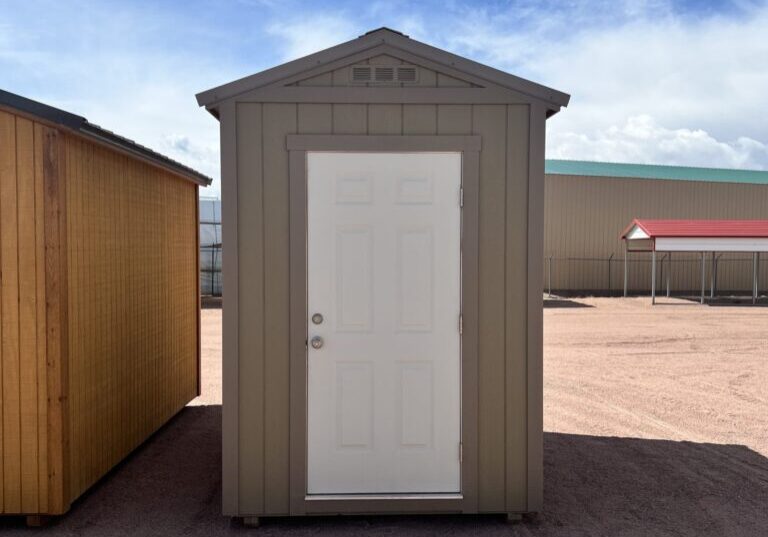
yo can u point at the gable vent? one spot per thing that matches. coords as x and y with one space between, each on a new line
406 74
361 74
384 74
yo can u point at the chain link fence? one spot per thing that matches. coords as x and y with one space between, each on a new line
682 272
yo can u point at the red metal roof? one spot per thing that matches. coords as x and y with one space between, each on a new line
701 228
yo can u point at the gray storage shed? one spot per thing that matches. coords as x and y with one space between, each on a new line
382 232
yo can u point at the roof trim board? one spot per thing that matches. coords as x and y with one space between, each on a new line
711 244
720 229
654 171
81 126
377 39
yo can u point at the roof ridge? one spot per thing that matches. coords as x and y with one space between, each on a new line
655 165
655 171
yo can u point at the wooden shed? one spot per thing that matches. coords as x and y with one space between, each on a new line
382 233
99 324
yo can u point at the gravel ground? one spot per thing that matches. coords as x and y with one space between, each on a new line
656 423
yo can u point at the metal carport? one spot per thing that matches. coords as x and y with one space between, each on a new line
704 236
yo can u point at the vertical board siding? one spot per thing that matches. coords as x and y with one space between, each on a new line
56 318
263 249
251 306
516 319
490 122
40 323
279 121
9 310
132 305
584 217
23 375
98 310
25 179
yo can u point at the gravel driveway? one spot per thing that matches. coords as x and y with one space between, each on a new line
656 420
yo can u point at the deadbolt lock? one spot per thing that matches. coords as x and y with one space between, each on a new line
317 318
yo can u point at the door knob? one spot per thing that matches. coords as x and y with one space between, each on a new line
316 342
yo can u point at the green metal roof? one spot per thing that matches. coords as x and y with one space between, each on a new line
654 171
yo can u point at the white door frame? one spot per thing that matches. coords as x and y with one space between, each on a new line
298 146
373 201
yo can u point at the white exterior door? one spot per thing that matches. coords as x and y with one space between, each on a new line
384 272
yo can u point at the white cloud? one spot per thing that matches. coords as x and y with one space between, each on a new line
691 73
642 139
312 34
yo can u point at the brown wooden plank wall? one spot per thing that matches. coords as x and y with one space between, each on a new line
23 396
133 307
584 217
263 263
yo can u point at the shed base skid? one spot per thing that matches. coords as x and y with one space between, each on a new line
251 521
38 521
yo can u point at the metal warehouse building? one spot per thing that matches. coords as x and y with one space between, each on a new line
588 204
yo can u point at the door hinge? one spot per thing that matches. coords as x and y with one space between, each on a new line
461 452
461 197
461 323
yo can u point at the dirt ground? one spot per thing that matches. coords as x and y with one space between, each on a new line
656 423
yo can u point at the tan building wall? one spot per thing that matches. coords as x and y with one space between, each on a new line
98 311
584 218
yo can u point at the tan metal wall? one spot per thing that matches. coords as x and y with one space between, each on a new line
98 310
584 217
260 485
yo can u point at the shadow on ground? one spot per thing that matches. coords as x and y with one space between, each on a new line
593 486
211 302
564 303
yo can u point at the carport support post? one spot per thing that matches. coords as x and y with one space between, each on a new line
669 270
754 277
549 276
712 278
626 273
703 275
653 276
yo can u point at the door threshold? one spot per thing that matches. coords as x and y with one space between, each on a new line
402 496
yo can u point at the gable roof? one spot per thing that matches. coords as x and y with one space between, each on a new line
699 228
82 126
654 171
391 41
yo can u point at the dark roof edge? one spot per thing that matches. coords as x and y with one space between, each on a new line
212 98
82 126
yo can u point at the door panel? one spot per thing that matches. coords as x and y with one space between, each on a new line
384 258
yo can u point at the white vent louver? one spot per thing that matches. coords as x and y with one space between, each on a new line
361 74
384 74
406 74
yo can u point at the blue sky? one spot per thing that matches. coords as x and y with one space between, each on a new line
652 81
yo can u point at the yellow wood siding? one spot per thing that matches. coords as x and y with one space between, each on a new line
132 304
98 310
23 439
